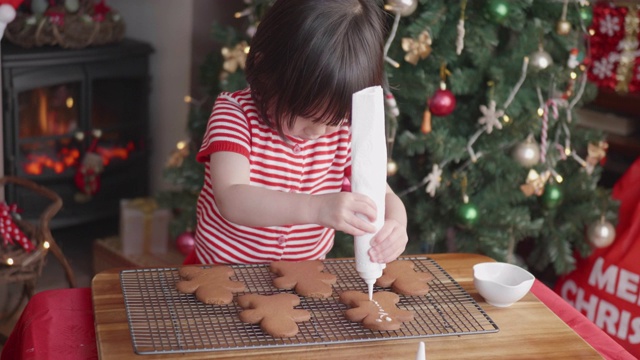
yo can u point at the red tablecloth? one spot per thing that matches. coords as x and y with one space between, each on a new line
55 324
58 324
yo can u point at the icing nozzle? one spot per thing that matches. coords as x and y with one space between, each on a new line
370 279
370 283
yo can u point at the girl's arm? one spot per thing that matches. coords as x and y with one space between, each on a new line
394 208
248 205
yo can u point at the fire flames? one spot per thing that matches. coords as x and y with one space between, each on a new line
54 113
66 158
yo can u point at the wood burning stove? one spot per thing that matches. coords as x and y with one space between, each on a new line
63 107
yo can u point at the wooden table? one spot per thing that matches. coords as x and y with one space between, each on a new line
528 329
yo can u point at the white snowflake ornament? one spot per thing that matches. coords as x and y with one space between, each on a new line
433 180
602 68
610 25
491 116
628 44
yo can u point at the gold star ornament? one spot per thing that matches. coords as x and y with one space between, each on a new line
235 57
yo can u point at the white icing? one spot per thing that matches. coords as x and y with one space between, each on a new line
381 313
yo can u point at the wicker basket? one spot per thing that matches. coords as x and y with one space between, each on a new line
78 30
20 266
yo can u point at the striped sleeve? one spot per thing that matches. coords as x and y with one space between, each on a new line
227 129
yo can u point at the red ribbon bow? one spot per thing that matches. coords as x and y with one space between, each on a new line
9 231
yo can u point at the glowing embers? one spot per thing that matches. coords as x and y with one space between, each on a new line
39 162
36 164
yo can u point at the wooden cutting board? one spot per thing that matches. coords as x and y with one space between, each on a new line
528 329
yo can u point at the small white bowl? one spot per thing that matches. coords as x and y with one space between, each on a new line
501 284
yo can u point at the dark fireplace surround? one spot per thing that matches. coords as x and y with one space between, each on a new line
60 104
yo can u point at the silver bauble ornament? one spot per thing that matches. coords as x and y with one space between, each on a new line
540 59
601 233
402 7
38 7
72 5
392 167
527 153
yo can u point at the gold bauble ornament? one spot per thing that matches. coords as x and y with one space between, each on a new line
392 167
563 27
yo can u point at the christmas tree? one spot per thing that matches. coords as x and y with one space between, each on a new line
221 71
483 143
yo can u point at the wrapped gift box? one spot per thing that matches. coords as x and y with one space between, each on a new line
144 227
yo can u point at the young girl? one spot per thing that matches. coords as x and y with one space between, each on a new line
277 153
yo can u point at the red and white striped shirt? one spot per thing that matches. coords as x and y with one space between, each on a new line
304 166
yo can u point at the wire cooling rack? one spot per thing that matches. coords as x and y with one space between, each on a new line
163 321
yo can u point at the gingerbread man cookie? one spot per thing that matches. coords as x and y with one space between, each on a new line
210 285
381 313
305 276
403 279
275 313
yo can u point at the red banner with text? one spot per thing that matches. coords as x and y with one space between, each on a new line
606 286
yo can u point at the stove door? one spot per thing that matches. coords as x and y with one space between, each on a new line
48 108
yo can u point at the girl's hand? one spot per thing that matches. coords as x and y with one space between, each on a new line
389 242
344 211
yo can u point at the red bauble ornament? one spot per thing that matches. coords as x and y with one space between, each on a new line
186 242
443 102
14 3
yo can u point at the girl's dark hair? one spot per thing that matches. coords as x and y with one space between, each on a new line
308 57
